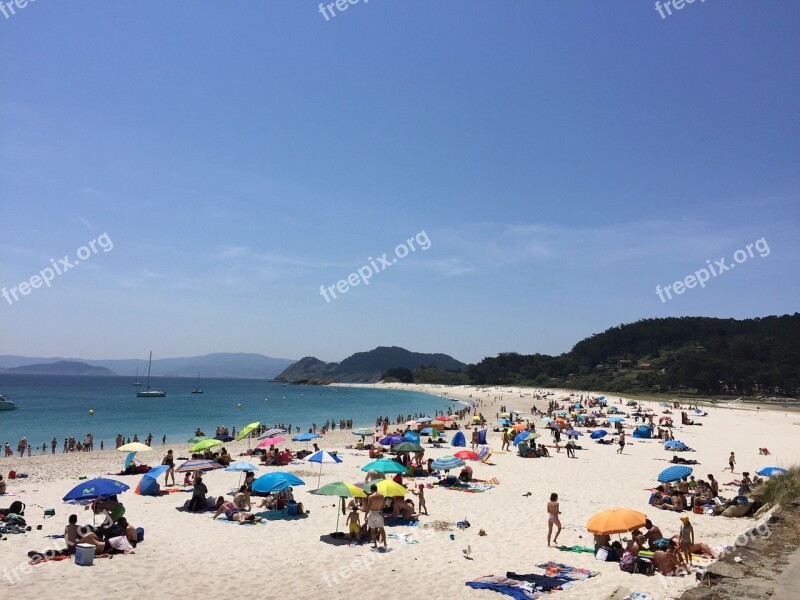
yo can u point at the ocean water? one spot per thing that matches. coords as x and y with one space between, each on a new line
55 406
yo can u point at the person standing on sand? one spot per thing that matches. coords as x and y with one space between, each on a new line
621 442
731 461
170 462
686 539
553 511
374 509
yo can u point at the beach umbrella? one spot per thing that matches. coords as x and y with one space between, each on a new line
247 430
598 433
272 432
616 520
424 420
304 437
386 487
384 465
505 422
616 419
520 427
411 436
341 489
574 432
427 431
129 459
445 463
241 466
505 414
467 455
134 447
93 489
196 439
363 431
581 418
192 466
270 441
663 403
675 445
561 413
547 419
275 482
205 445
145 487
524 436
443 418
322 457
674 473
476 418
771 471
601 397
408 447
392 439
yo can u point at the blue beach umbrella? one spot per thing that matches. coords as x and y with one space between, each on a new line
675 445
445 463
524 436
505 422
275 482
384 465
581 418
574 432
427 431
771 471
129 459
615 419
96 488
599 433
412 436
304 437
241 466
424 420
390 440
674 473
323 457
561 413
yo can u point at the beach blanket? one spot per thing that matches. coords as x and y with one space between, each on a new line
397 521
542 582
576 549
510 587
403 537
7 529
553 569
472 488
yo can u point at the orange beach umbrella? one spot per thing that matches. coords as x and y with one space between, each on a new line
616 520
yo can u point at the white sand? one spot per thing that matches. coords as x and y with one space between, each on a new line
188 555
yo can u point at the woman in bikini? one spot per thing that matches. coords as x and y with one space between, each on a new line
553 512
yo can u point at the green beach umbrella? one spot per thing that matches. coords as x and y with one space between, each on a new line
384 465
205 445
196 439
247 430
408 447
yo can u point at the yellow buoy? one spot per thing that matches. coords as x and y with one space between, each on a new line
91 412
238 406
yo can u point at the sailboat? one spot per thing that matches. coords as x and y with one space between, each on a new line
136 382
197 389
150 393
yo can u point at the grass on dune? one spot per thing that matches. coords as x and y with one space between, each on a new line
782 489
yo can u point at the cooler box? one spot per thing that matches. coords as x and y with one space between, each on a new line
84 555
291 509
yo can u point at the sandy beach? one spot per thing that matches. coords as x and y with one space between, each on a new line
191 555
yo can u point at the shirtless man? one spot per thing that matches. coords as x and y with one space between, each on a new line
553 512
374 509
667 561
653 533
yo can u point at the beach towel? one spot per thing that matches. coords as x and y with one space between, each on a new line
541 582
397 521
510 587
403 537
472 488
553 569
576 549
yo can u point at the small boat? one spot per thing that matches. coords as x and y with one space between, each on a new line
6 404
197 389
150 393
136 382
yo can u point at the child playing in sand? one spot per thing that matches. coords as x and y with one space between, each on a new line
354 524
420 493
731 461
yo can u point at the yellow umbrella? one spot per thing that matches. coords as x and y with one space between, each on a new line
134 447
616 520
247 430
505 415
387 487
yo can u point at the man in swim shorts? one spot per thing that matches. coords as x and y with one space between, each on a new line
374 509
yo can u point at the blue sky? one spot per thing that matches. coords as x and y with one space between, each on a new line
563 159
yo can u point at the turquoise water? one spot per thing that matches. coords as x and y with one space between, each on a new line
59 407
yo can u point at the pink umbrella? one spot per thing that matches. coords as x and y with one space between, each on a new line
467 455
443 418
271 441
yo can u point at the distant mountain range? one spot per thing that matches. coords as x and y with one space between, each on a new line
62 367
221 364
365 367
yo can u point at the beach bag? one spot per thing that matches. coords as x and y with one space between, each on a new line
661 544
139 534
602 554
12 474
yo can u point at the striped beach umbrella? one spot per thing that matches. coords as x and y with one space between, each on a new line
445 463
191 466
